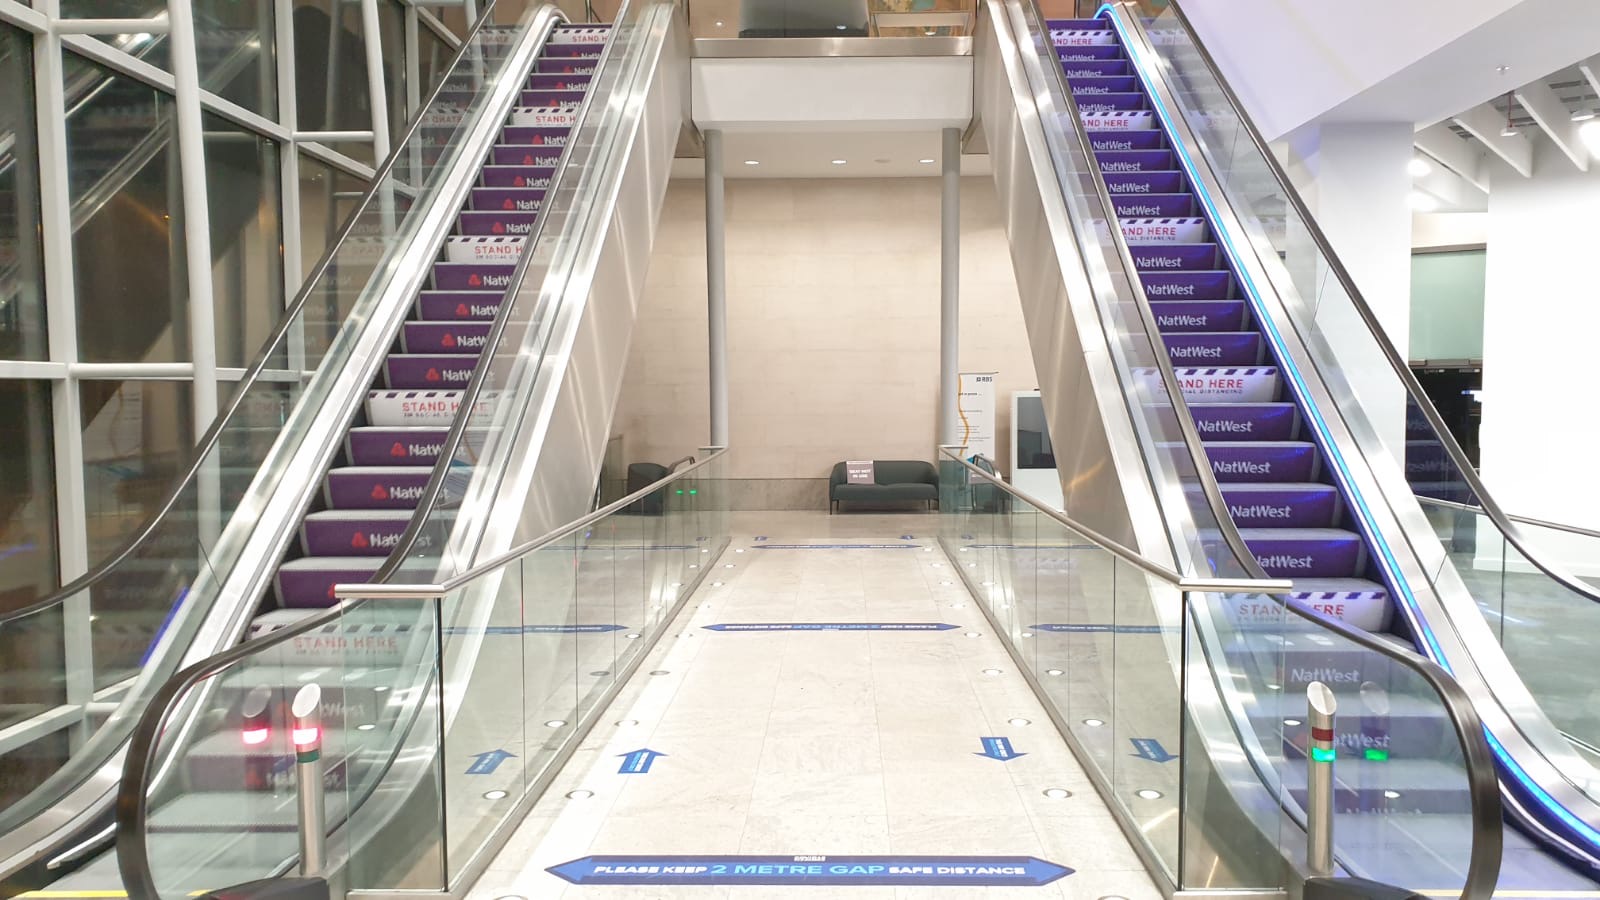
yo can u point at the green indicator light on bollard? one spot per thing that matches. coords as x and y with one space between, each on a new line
1375 754
1319 754
680 492
694 490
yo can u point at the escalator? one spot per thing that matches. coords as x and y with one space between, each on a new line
386 424
1265 430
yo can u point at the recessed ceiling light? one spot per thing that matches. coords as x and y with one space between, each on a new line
1583 114
1094 723
1019 721
1502 69
1419 167
838 162
719 24
579 795
495 795
963 549
987 583
675 584
1057 793
925 161
947 583
752 162
1027 634
958 605
929 32
842 27
1147 794
694 565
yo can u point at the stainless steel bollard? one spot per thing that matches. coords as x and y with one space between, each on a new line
309 789
1320 753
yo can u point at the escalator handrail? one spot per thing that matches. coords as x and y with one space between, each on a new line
433 492
1520 520
1061 92
263 360
132 806
1402 371
1483 782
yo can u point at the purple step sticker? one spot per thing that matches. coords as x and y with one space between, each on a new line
1080 52
517 177
546 99
525 155
1175 257
1262 461
1106 103
449 276
1227 348
1135 160
1090 68
445 337
376 446
507 199
311 586
1090 85
1168 230
561 81
535 136
374 487
373 533
1245 421
1335 555
1282 506
1213 285
1154 205
565 65
1055 25
1144 183
458 306
1127 140
517 224
425 371
1181 316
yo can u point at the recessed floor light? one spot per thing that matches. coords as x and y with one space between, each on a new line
1054 672
716 584
993 671
925 161
752 162
600 673
1019 721
964 549
839 162
1113 897
366 726
1147 794
1392 795
1027 634
555 723
973 634
1291 722
676 584
1274 687
958 606
579 794
694 565
1094 723
719 24
519 896
660 672
842 27
632 635
987 583
380 689
727 565
881 160
495 795
739 550
1057 793
946 583
972 565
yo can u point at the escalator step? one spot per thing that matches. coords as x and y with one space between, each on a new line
458 306
1270 505
517 176
497 223
422 371
1306 552
370 445
1262 461
1218 348
507 199
375 487
1165 230
508 154
1144 182
1111 103
452 276
1127 140
1213 285
460 338
1176 257
1189 316
406 408
1246 421
308 583
337 532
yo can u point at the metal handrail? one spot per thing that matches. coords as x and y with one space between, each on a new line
1520 520
132 812
263 360
391 591
1483 783
434 489
1396 362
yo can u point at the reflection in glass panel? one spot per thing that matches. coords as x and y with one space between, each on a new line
234 50
137 437
328 196
22 769
22 331
433 59
330 72
392 34
126 195
242 186
27 494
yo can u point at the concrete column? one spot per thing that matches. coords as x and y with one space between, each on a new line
950 288
716 289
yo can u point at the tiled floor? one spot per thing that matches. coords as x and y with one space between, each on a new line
827 743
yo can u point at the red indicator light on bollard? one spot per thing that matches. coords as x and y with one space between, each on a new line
254 736
306 736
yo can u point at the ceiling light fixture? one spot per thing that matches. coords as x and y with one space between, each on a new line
842 27
838 162
1583 114
925 162
752 162
1419 167
1589 133
1511 129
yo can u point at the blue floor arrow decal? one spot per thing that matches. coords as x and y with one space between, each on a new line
998 748
1151 749
485 763
638 762
974 871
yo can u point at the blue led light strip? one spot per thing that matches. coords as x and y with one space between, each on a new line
1391 567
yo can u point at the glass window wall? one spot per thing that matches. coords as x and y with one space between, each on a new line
22 313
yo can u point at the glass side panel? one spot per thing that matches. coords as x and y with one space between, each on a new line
236 52
330 72
161 587
22 313
28 558
243 185
137 438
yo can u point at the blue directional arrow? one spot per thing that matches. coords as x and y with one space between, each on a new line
998 748
485 763
638 762
1151 749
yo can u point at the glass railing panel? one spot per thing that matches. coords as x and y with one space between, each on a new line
35 653
156 592
235 759
1402 799
1146 707
1393 426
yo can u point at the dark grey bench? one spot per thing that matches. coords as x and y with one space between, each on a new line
895 481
